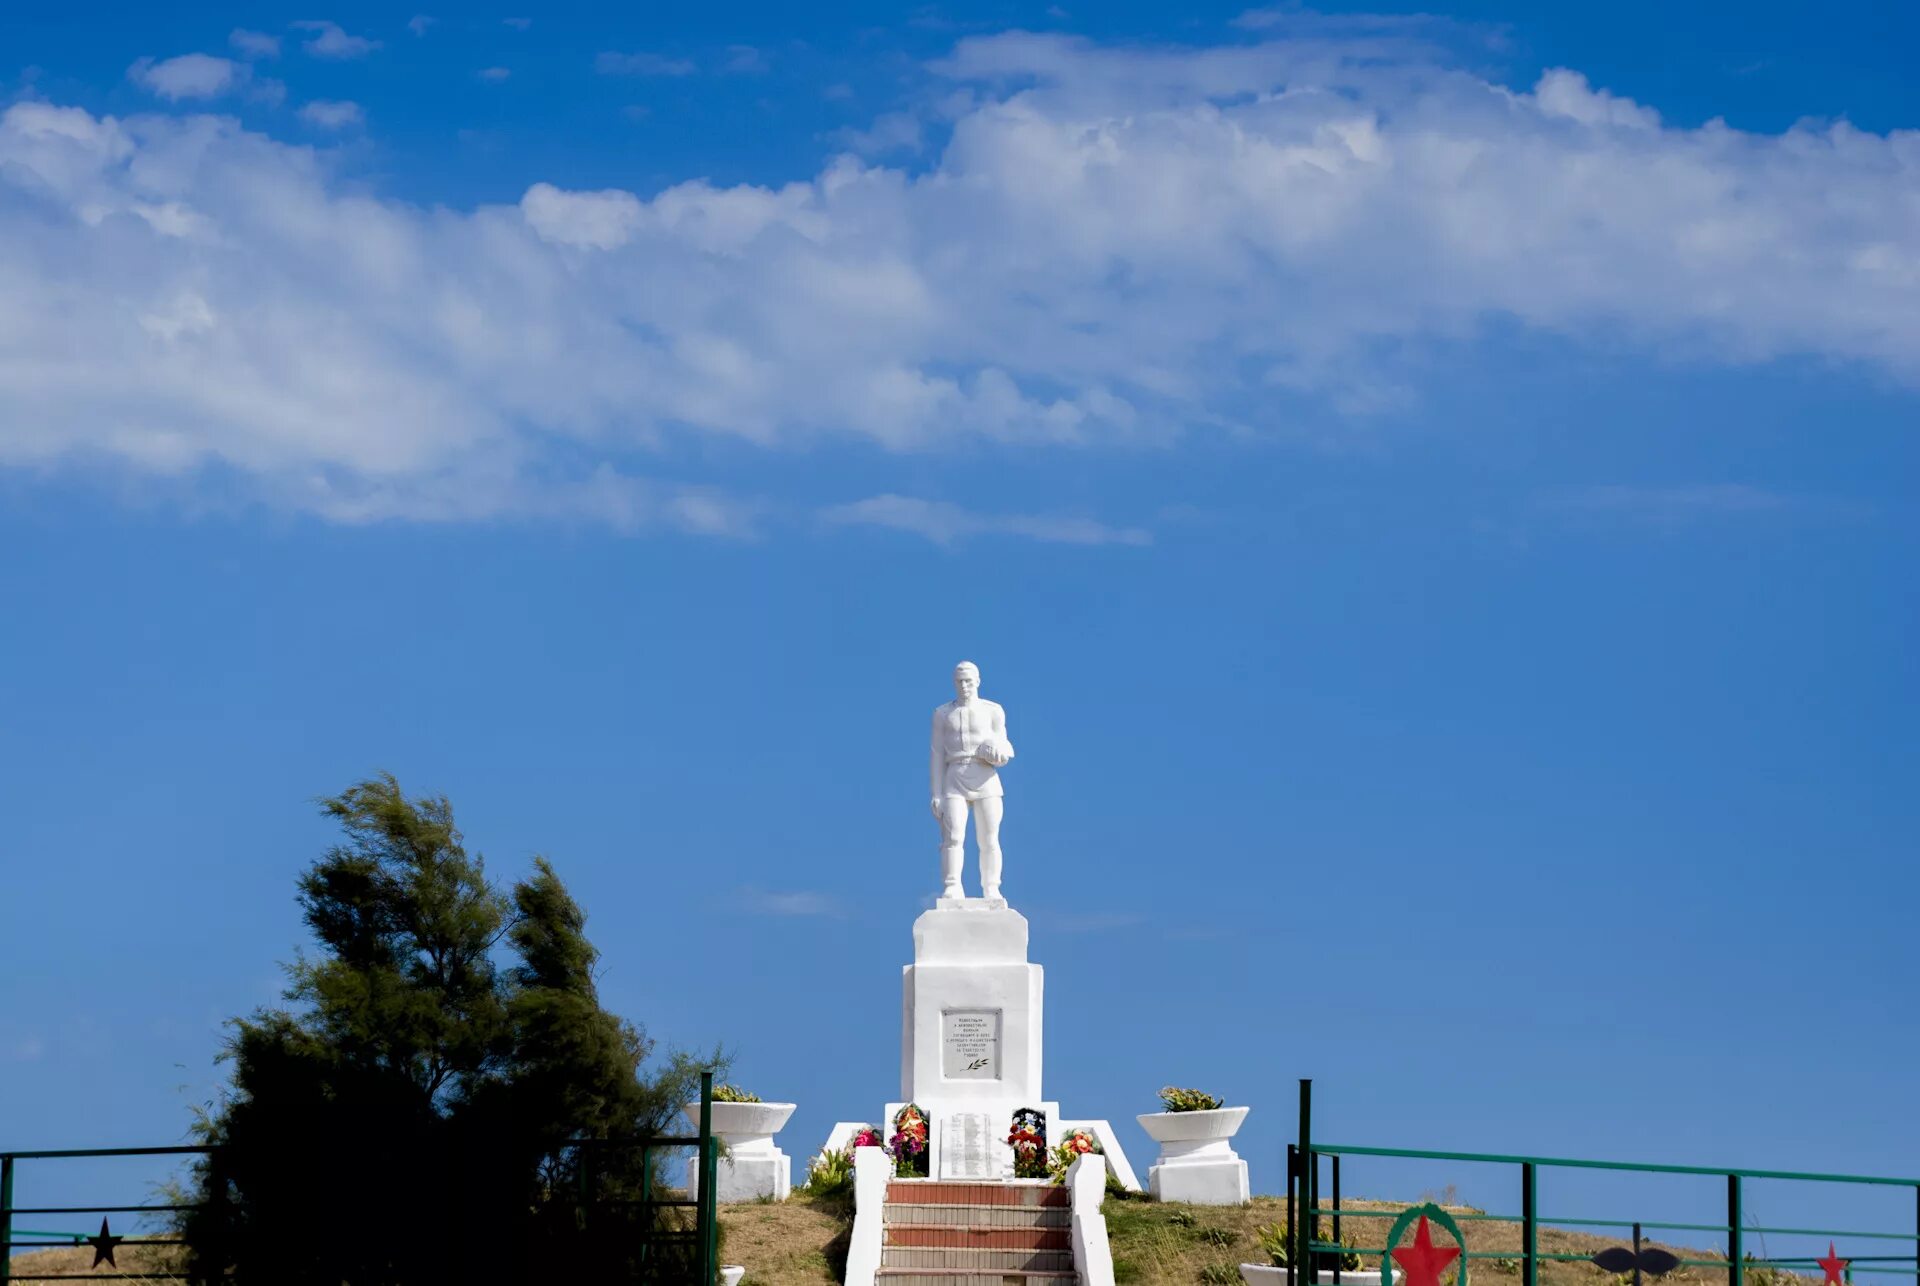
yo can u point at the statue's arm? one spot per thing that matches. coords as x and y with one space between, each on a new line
937 765
1000 731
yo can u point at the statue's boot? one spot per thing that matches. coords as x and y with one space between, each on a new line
990 873
950 860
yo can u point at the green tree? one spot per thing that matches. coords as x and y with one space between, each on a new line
401 1123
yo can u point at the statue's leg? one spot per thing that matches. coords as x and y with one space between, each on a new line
986 832
953 839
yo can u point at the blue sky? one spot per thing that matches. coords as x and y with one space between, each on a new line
1434 493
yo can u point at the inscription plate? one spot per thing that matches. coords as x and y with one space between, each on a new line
970 1044
966 1150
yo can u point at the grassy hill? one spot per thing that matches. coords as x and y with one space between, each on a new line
803 1242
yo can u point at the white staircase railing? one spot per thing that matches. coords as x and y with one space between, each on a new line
872 1168
1086 1189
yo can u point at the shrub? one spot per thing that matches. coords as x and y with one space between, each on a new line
831 1173
1273 1244
734 1094
1179 1100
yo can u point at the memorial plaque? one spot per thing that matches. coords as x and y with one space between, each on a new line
970 1044
966 1150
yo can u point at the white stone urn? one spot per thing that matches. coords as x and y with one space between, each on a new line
1268 1275
751 1168
1197 1162
730 1274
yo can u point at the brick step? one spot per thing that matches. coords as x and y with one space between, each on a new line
950 1216
979 1238
1015 1192
977 1277
977 1260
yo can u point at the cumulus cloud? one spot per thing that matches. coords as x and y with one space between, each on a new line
189 76
330 40
800 903
947 524
1103 246
1667 506
331 114
419 23
641 63
254 44
494 75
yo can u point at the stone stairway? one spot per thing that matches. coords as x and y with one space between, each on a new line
1014 1233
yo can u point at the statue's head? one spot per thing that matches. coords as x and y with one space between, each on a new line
966 680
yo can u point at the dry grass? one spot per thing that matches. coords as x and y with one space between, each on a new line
1158 1243
798 1242
803 1242
78 1260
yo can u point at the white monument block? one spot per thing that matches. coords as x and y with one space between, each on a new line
971 1010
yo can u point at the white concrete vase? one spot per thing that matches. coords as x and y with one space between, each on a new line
751 1168
1197 1162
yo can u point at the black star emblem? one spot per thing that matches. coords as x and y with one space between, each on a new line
103 1246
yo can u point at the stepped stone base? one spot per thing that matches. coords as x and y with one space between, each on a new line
976 1234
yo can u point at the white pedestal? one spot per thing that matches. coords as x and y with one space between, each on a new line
970 1012
971 1008
1218 1181
765 1176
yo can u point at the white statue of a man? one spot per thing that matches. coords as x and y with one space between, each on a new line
969 746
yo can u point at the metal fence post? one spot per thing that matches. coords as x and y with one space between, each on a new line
6 1220
1338 1255
217 1205
1734 1249
1304 1224
1530 1223
1293 1202
707 1213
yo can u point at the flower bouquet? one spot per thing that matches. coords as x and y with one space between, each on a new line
909 1143
1028 1137
1077 1144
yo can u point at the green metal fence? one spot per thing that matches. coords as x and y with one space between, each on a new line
1306 1171
703 1236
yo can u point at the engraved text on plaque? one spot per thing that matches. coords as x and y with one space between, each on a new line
970 1044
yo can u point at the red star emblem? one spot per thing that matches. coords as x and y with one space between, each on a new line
1424 1261
1834 1265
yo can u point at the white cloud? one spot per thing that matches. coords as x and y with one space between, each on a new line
189 76
1111 245
641 63
494 75
890 132
947 524
330 40
1667 506
1566 93
518 24
330 114
254 44
745 60
419 23
600 220
799 903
